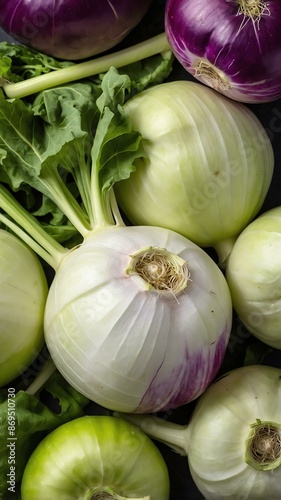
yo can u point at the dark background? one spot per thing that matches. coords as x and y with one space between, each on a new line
182 486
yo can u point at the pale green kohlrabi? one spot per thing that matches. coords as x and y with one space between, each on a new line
254 276
206 168
233 439
94 458
23 293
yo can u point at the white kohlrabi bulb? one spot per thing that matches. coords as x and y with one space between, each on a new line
138 318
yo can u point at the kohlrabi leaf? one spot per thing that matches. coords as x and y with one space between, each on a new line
115 88
49 211
35 148
66 105
116 145
55 223
31 137
34 418
115 148
17 62
70 116
21 145
150 71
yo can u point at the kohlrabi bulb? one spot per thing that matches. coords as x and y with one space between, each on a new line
254 277
138 318
23 292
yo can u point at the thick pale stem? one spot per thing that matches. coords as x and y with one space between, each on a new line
100 210
57 190
43 244
115 209
41 252
148 48
47 371
175 436
264 446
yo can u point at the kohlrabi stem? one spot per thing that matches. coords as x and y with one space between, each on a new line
49 259
60 194
82 179
100 209
115 209
30 230
101 212
148 48
43 376
173 435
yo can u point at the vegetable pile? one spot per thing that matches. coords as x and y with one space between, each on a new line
139 272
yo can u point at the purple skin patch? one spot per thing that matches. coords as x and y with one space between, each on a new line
187 382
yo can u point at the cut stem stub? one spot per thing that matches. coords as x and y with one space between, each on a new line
264 446
210 75
159 270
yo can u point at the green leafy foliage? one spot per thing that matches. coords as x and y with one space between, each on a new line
46 140
34 418
17 62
